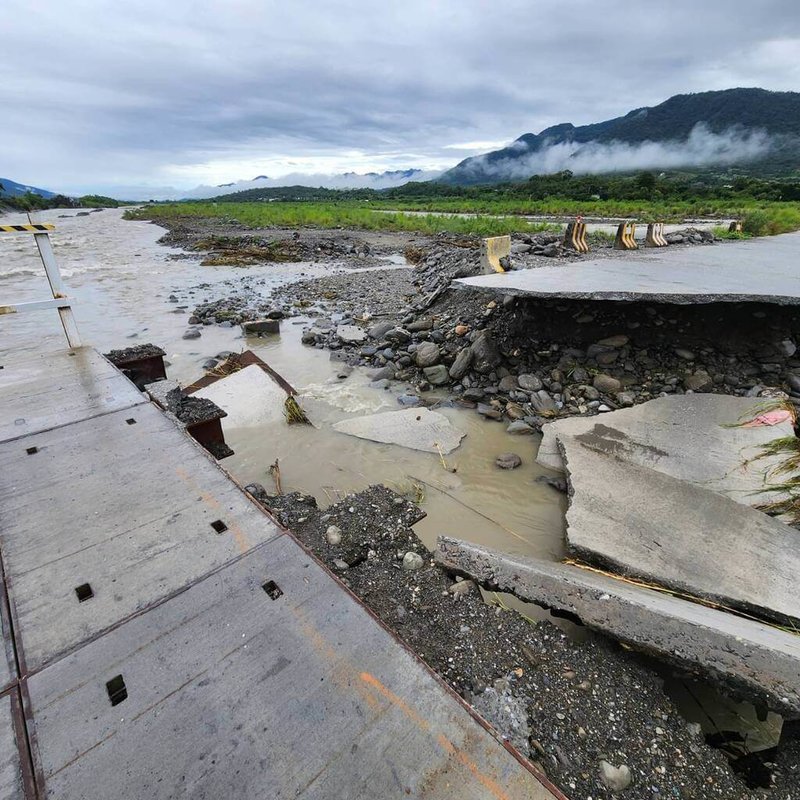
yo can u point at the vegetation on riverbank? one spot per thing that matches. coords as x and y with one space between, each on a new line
487 218
350 214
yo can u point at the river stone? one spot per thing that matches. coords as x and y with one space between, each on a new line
438 375
519 428
686 355
261 326
485 355
787 348
420 325
616 778
415 428
543 403
606 384
615 341
461 364
508 461
427 354
701 381
529 382
490 412
508 384
192 333
351 334
379 330
412 561
333 535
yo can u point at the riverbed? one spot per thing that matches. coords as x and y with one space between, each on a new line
122 280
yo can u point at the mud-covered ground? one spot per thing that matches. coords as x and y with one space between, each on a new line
568 706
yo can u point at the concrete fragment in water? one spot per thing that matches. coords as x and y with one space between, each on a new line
415 428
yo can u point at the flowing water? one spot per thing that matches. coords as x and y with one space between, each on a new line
121 280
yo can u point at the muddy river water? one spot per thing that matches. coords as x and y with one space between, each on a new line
121 280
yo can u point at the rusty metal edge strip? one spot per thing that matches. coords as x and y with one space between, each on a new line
22 734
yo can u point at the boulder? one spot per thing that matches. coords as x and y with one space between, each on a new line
437 375
427 354
606 384
529 382
461 364
485 355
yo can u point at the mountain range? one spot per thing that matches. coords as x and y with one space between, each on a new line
750 128
9 188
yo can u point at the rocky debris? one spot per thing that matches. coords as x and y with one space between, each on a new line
189 409
350 334
508 461
260 326
506 713
192 333
584 701
618 779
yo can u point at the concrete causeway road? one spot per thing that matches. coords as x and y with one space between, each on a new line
164 638
765 269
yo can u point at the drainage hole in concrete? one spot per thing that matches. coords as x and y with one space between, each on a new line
130 421
219 526
31 450
84 592
117 691
272 589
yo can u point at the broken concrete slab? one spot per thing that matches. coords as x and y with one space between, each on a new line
250 397
751 659
415 428
259 326
351 334
646 524
761 270
686 436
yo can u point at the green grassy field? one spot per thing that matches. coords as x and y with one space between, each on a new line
760 217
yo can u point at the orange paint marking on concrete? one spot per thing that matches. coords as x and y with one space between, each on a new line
489 783
239 536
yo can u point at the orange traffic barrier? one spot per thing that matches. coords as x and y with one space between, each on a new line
494 251
575 236
625 237
655 235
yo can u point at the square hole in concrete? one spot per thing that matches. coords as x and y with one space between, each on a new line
31 450
272 589
84 592
117 691
130 421
219 526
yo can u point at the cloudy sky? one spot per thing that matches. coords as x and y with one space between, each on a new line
131 97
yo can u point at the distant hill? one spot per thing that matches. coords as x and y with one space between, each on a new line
263 188
746 127
9 188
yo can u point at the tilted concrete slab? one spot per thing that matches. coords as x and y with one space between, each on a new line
40 392
12 781
765 270
233 694
415 428
649 525
692 437
126 508
751 659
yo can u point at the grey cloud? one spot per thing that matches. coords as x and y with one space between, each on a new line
97 92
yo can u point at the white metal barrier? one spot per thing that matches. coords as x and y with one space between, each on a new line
60 301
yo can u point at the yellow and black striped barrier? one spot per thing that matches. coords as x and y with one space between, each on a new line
626 237
575 236
34 227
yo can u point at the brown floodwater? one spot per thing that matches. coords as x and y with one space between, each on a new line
122 280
